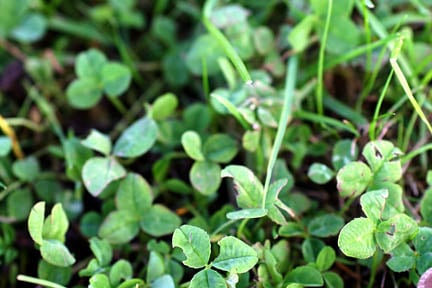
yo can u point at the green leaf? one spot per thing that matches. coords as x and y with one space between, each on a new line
5 145
99 281
159 221
325 225
119 227
55 253
134 195
26 169
320 173
249 188
403 258
31 28
247 213
205 48
164 106
305 275
235 256
19 204
102 251
89 65
11 14
373 203
394 231
310 249
251 139
99 172
299 36
272 201
356 239
205 177
353 179
90 223
165 281
333 280
83 93
291 229
56 224
423 240
344 152
426 206
121 270
137 139
207 278
76 155
155 267
191 142
116 78
56 274
383 158
263 39
36 222
220 148
326 258
98 142
195 244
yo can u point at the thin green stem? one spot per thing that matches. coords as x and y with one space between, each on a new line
118 105
38 281
372 132
320 84
223 226
205 80
290 82
374 268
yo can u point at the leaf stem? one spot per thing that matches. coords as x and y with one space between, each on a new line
38 281
283 121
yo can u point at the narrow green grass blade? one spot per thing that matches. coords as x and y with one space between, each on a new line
223 41
283 121
320 76
326 120
232 109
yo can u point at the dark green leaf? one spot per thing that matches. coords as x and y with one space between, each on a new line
102 251
305 275
26 169
320 173
205 48
326 258
155 267
220 148
83 93
121 270
56 274
89 65
207 278
159 221
116 78
235 256
19 204
119 227
134 195
205 177
325 225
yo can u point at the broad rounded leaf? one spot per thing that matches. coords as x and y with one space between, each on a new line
98 142
134 194
26 169
99 281
5 145
325 225
394 231
383 158
195 244
102 251
423 240
164 106
36 222
56 253
356 239
320 173
235 256
83 93
353 179
403 258
326 258
305 275
121 270
159 221
116 78
344 152
56 274
205 48
249 188
165 281
155 266
137 139
373 203
11 13
56 224
99 172
205 177
119 227
220 148
333 280
263 39
191 142
31 28
89 64
207 278
19 203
